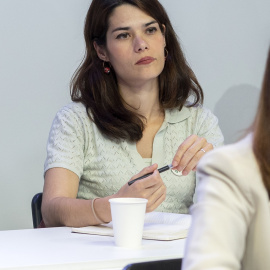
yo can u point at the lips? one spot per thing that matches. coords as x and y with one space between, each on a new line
145 60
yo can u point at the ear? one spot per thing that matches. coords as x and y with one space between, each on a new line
101 52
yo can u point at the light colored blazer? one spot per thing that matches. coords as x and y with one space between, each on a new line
231 220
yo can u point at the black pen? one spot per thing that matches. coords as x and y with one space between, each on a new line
163 169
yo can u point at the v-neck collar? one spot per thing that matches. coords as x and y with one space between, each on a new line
172 116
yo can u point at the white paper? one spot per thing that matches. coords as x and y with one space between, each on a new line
157 226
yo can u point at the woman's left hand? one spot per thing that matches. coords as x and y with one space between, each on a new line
189 153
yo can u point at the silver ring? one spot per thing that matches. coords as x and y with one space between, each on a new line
203 150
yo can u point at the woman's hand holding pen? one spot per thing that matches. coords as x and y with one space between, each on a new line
189 153
151 188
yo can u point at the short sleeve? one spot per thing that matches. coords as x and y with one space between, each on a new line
65 146
207 127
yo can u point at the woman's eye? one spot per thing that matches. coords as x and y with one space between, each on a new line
151 30
122 36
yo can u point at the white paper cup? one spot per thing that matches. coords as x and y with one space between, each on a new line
128 220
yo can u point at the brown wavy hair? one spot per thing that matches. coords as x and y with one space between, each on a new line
261 129
99 91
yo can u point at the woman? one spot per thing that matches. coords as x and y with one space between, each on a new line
231 221
129 115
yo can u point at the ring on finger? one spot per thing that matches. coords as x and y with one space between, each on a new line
203 150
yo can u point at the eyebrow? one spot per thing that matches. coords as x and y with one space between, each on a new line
127 28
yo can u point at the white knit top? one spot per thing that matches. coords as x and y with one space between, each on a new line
104 165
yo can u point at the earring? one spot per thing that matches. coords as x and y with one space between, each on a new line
107 69
166 53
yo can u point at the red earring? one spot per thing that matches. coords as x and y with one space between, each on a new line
107 69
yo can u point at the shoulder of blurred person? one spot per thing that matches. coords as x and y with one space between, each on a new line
237 163
231 219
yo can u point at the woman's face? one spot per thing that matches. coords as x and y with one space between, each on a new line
135 45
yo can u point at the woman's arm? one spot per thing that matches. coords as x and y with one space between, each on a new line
206 135
60 207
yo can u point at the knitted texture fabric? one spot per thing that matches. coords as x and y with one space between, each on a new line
104 165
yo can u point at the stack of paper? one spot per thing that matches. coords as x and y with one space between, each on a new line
157 226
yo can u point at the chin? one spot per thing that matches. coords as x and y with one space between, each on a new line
151 73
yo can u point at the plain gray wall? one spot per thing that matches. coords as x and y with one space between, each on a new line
41 45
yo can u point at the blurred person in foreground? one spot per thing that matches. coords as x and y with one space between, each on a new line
231 220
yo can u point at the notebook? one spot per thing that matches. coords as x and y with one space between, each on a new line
157 226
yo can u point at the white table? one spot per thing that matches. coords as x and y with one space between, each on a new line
58 248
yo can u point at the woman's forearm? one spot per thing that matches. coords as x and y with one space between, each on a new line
71 212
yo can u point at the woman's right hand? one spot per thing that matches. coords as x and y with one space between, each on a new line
151 188
60 207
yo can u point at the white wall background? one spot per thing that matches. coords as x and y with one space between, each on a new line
41 44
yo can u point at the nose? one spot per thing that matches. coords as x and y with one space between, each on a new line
140 44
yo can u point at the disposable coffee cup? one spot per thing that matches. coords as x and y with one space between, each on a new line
128 221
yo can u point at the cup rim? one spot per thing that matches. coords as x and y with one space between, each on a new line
128 200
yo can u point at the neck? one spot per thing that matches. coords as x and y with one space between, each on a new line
143 100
